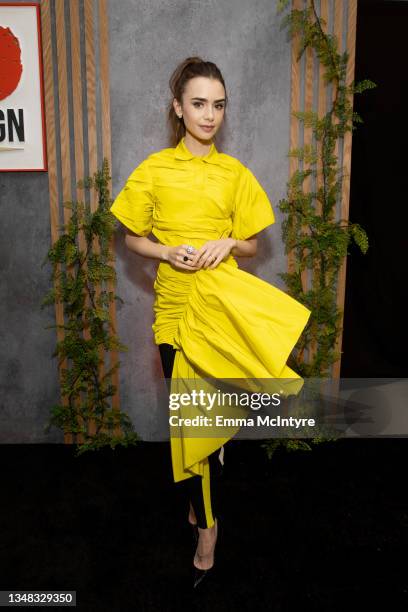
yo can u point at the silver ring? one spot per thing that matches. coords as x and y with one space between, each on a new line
190 249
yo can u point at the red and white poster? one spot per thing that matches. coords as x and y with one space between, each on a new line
22 127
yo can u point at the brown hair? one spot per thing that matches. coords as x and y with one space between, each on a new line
188 69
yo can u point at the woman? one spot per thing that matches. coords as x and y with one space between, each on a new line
211 319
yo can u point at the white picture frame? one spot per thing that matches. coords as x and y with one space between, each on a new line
22 121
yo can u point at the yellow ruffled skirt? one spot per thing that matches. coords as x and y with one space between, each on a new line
226 324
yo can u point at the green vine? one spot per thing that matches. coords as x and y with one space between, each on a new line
318 242
77 276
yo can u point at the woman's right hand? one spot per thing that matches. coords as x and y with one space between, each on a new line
175 256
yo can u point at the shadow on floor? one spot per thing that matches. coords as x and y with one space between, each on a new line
316 530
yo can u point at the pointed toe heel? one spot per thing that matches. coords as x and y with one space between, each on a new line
200 574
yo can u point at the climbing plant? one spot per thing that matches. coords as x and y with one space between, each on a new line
310 232
81 274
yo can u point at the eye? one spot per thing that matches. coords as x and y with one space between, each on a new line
220 106
197 103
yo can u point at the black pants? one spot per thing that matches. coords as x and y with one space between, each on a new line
193 485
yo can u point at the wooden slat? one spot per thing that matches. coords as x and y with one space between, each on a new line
307 140
91 91
64 113
77 94
308 131
345 196
52 157
92 136
322 98
294 106
104 72
63 105
106 152
321 111
78 129
338 33
50 117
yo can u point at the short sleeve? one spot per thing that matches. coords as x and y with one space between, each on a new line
134 204
252 210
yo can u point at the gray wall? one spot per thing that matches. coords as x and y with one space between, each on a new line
147 40
29 377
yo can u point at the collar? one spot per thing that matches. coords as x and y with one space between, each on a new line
182 152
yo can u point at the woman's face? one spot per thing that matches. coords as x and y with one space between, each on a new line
203 104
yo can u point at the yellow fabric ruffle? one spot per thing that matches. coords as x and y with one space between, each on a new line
233 325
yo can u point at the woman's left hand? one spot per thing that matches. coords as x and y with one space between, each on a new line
212 253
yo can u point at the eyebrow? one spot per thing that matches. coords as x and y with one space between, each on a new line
205 99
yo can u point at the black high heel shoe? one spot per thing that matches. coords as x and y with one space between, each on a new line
200 574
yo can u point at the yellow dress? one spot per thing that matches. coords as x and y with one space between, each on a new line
225 322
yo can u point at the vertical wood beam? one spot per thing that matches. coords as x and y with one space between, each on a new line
345 194
48 65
